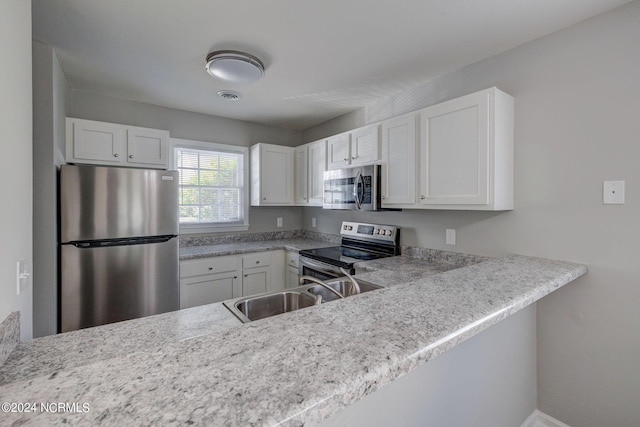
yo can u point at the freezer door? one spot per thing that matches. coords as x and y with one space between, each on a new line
99 202
108 284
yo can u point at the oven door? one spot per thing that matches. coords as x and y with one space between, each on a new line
352 189
320 270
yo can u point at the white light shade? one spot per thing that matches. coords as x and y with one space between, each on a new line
235 67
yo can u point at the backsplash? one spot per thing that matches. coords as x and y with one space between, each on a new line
442 257
215 239
9 335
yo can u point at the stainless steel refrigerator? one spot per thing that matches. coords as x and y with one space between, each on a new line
118 244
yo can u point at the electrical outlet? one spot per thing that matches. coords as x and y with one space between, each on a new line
279 222
450 235
313 222
613 193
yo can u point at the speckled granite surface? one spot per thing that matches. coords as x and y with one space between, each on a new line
9 335
297 368
55 353
220 239
297 244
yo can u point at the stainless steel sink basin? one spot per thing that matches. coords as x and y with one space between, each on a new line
260 306
343 286
257 307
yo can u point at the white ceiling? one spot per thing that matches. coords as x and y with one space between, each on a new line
322 57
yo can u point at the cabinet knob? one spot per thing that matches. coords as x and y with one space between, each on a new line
210 268
235 277
346 159
422 197
115 155
131 156
353 158
264 198
246 275
257 262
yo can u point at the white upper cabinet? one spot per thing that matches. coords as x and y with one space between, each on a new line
272 172
339 151
317 152
100 143
358 147
365 145
147 147
301 175
311 162
466 153
399 157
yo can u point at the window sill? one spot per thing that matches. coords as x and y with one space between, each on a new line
201 229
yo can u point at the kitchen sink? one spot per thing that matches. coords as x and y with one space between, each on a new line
256 307
344 286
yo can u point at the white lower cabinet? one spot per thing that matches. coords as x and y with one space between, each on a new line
291 274
216 279
209 280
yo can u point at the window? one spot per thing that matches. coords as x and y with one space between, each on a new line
212 193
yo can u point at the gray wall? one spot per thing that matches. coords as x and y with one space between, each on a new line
487 381
48 154
15 174
195 126
577 101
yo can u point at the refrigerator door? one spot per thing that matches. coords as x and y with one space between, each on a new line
104 284
100 202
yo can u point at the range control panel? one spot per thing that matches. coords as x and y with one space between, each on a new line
370 231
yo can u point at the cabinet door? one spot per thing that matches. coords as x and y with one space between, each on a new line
276 175
255 281
94 142
208 289
317 155
399 157
454 152
365 145
338 151
147 147
292 277
301 176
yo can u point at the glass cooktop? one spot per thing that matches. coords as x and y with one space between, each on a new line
341 256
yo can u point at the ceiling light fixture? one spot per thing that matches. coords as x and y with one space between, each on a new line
235 67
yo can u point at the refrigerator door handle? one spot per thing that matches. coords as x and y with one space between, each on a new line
87 244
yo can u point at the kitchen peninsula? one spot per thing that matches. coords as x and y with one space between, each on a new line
203 366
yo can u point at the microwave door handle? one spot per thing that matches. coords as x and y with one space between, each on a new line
355 189
363 190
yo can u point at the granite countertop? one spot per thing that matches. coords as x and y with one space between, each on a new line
294 244
281 370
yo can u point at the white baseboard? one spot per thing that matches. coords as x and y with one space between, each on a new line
540 419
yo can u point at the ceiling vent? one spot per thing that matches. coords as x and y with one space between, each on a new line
229 95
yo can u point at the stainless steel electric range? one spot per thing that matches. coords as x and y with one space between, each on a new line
360 242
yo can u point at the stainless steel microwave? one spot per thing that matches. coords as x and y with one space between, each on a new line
352 188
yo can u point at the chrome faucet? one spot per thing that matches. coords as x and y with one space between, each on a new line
321 283
356 287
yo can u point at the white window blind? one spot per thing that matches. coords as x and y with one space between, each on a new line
211 186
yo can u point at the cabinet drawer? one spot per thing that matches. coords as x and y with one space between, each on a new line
212 265
260 259
291 259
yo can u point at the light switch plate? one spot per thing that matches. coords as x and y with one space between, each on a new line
279 222
613 193
22 275
313 222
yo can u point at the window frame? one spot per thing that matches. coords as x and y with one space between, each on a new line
213 227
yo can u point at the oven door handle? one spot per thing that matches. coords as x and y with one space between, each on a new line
356 195
321 267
